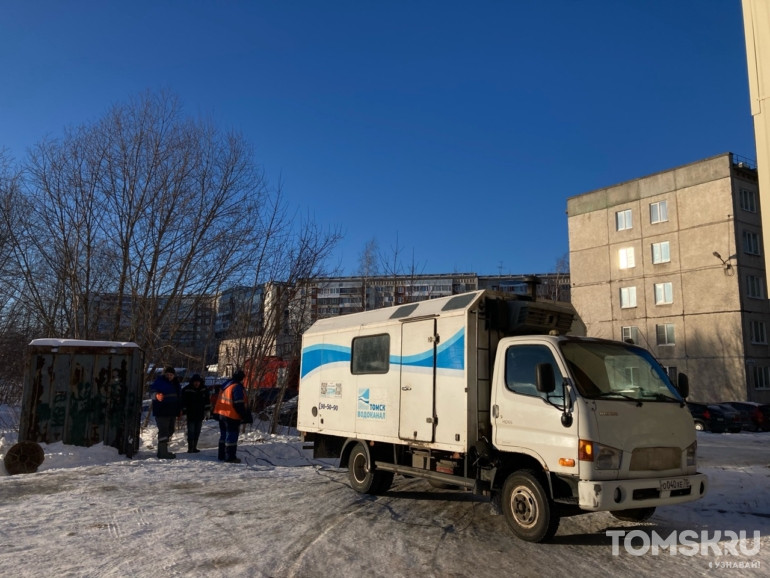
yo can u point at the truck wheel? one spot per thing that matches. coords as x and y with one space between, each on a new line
527 509
634 514
362 478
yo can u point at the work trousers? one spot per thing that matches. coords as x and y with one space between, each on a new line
165 427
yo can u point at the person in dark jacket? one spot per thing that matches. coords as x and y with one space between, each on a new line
232 408
166 405
196 402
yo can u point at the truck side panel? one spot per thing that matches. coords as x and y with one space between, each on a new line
419 395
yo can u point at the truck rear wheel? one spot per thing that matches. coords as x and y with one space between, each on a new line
527 508
363 478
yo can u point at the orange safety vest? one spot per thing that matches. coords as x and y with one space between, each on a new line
225 403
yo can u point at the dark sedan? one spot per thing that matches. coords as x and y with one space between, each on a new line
707 417
759 413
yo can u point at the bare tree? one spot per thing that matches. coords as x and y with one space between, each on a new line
391 266
402 276
16 325
267 325
367 268
133 224
558 285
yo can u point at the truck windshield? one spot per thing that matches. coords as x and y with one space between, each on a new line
617 371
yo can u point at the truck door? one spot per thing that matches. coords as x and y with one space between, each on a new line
521 415
418 380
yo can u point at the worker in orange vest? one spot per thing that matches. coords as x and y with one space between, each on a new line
232 409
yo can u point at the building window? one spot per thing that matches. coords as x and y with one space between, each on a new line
755 287
626 258
630 334
623 220
661 253
751 243
761 377
664 334
672 373
627 297
758 334
658 212
748 200
664 293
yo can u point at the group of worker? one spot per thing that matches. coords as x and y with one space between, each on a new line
170 400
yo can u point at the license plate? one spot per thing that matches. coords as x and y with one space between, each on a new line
675 484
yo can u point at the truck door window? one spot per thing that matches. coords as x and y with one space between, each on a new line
520 371
370 354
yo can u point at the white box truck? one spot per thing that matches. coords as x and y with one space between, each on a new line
483 391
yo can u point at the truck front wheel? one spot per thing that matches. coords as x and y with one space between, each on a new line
363 478
528 510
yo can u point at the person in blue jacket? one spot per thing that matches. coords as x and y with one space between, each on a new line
232 409
166 405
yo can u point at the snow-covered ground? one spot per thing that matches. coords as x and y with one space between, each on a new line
92 512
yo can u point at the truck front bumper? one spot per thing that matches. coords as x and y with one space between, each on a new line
608 495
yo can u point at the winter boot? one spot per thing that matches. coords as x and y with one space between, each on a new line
190 446
231 459
221 455
163 452
195 446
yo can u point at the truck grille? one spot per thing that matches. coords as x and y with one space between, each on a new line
655 459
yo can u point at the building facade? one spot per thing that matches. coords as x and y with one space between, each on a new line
332 296
674 262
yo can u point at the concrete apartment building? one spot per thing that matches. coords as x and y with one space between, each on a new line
674 261
332 296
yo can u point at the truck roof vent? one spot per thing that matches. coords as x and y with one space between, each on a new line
459 302
404 311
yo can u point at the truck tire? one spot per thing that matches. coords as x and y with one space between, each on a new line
364 479
528 510
634 514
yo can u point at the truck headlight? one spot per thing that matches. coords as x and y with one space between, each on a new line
603 457
691 452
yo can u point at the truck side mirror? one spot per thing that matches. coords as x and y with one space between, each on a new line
545 379
683 385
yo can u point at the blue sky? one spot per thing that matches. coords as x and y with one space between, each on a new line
456 130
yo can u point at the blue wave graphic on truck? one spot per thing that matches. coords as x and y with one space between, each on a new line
450 355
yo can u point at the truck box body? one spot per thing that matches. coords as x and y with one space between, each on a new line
456 390
438 363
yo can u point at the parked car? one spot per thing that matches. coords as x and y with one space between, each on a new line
735 420
741 419
759 413
707 417
287 414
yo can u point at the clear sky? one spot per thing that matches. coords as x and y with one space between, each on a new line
455 129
